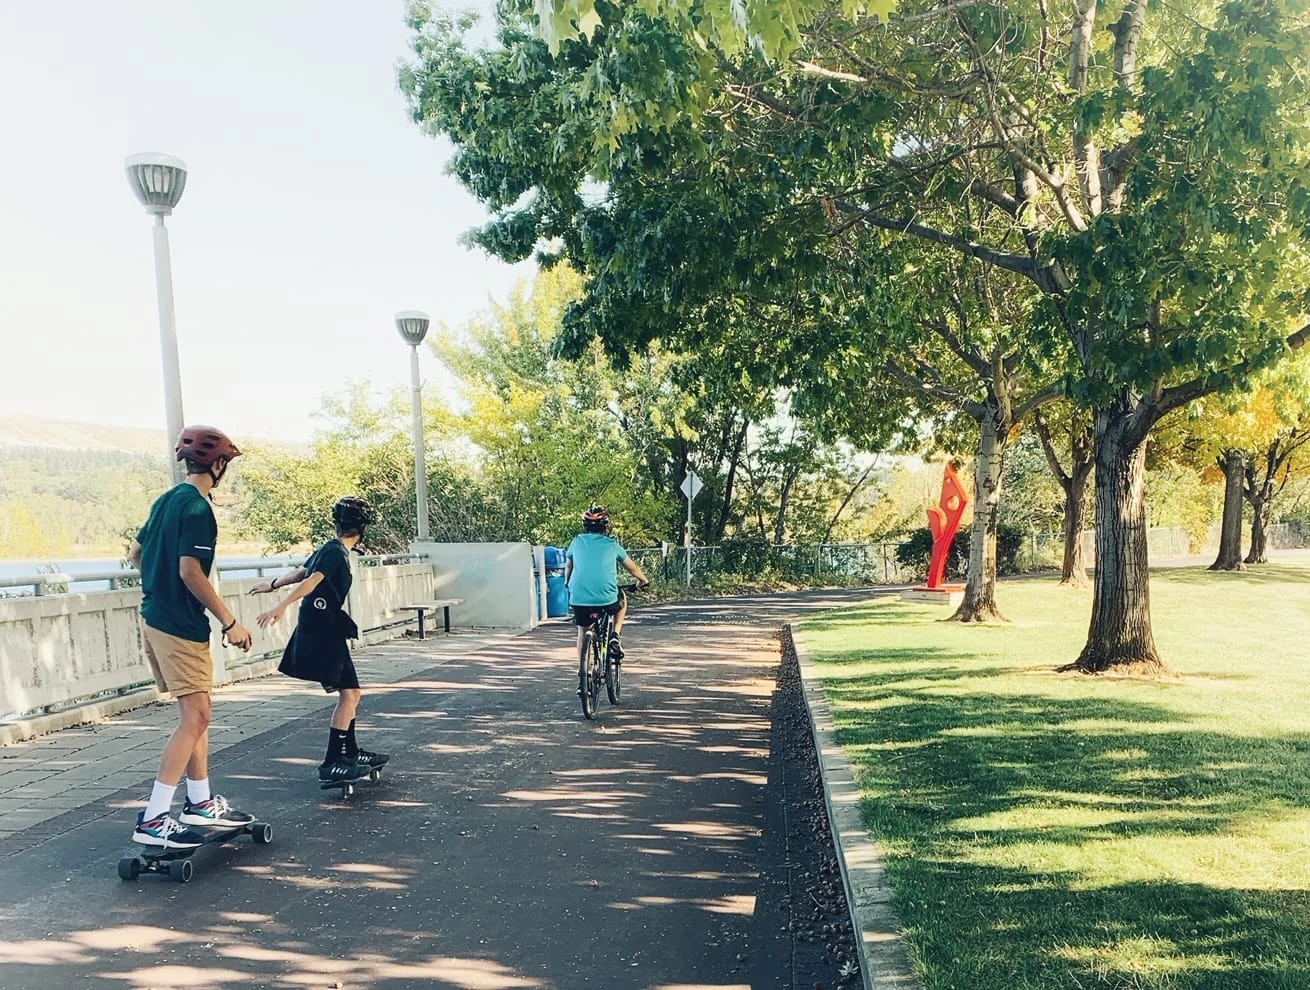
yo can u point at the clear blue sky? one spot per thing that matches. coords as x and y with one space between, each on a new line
314 209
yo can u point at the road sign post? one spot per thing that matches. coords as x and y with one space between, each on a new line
691 486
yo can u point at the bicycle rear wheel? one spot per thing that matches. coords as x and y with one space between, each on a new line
612 670
588 692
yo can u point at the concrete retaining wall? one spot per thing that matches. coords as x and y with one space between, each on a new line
494 579
57 649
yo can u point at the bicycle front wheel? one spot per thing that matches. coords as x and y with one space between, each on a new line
587 690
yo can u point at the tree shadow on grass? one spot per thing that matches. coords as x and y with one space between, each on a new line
1025 931
967 791
1262 574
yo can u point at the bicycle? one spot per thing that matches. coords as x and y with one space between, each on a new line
596 666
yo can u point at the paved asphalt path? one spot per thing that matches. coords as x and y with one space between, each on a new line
510 845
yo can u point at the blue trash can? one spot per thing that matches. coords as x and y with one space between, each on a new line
557 595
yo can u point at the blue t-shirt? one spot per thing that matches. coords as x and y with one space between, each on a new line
595 579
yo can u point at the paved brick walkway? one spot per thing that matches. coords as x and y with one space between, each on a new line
55 773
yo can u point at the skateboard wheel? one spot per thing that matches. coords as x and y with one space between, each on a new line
181 870
375 775
262 833
348 791
129 868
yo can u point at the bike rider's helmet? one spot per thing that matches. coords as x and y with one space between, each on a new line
204 445
352 514
596 520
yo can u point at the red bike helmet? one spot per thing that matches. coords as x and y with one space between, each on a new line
596 519
204 445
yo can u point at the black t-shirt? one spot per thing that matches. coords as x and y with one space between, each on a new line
181 524
332 560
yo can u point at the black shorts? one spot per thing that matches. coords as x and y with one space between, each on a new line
348 678
585 615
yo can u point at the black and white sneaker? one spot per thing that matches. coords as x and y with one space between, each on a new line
365 758
341 769
166 832
217 812
616 648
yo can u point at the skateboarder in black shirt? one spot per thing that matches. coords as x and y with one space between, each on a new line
317 650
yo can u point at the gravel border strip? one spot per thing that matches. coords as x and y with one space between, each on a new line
884 956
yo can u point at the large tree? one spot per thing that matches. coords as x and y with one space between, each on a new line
739 260
1145 170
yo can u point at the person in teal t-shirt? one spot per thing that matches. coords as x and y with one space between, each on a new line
591 574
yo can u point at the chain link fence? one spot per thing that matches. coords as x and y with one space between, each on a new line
826 563
876 563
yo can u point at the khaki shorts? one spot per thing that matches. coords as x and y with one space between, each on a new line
181 666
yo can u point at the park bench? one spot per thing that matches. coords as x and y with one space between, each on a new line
422 609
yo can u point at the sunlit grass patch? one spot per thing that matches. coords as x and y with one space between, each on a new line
1049 830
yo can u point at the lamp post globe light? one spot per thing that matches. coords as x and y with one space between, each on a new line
413 327
158 181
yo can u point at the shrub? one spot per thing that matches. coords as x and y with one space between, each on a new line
916 552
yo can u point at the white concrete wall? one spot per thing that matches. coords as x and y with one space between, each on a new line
493 579
59 648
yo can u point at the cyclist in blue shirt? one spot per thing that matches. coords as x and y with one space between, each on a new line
591 574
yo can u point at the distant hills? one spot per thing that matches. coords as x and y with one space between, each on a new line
67 434
70 489
62 434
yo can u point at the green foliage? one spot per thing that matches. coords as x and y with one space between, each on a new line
60 502
1033 498
540 436
1178 495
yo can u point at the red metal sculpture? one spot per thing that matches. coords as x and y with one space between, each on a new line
943 521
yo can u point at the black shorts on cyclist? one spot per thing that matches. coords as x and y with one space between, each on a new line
585 615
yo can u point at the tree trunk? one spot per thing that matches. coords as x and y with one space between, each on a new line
1119 637
979 603
850 494
1073 569
1262 503
725 513
780 522
1230 533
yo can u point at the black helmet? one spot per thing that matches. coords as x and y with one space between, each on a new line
596 520
352 513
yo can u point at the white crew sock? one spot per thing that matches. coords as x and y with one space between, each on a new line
197 791
161 799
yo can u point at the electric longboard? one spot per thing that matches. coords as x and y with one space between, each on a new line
176 863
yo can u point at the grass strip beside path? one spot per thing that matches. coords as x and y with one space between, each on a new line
1057 831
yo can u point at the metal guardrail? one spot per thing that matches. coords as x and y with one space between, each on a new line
260 566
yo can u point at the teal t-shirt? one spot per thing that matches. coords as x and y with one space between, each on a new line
181 524
595 578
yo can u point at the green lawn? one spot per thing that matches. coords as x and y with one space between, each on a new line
1057 831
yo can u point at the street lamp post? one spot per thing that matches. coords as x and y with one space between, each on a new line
413 327
158 181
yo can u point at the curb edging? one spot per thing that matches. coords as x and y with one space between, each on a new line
884 957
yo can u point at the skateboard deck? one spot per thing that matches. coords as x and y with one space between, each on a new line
176 863
347 785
